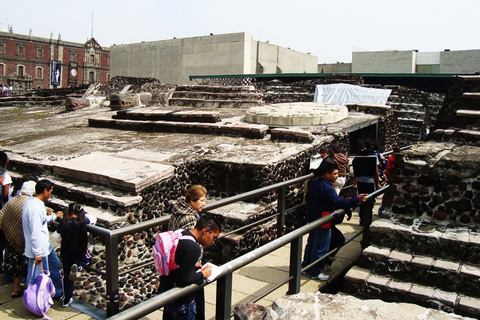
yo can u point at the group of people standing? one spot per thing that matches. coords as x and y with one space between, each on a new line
6 91
24 220
323 197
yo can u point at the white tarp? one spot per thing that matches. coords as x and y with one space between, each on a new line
342 93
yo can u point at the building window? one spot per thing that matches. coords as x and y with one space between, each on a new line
39 72
39 52
20 71
2 69
92 77
92 58
2 47
108 76
108 60
73 56
21 50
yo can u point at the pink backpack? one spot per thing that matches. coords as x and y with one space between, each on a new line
37 298
166 244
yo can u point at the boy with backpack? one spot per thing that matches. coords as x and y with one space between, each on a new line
186 255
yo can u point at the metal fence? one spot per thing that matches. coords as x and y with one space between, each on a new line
224 281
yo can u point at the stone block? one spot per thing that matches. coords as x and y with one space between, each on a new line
399 286
357 275
446 298
447 266
419 292
423 262
377 281
375 253
400 256
469 306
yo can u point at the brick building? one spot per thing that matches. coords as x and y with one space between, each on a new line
30 62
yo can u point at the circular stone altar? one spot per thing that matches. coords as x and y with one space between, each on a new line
297 114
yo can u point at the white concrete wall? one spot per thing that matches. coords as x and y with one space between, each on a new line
173 61
384 62
274 58
460 62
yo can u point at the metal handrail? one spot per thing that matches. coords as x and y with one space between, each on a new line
227 269
112 237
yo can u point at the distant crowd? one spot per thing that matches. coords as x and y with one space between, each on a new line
6 91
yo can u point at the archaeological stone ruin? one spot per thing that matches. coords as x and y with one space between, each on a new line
130 165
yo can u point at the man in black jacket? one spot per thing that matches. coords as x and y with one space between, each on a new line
206 231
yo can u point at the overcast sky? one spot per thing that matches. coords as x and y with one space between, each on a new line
329 29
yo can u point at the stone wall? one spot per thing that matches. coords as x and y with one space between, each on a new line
438 182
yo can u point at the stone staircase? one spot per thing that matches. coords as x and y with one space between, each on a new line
433 266
207 96
203 122
459 120
416 111
51 97
276 91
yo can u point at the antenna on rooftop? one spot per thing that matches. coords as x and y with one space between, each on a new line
92 26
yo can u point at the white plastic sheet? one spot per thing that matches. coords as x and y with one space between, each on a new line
342 93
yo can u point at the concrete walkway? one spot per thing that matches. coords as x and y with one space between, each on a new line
249 282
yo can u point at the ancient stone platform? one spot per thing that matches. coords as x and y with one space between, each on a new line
131 171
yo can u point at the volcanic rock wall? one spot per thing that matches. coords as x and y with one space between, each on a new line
438 182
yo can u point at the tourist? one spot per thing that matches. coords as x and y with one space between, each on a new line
11 223
188 252
185 215
38 248
5 190
7 180
326 156
343 167
74 248
387 198
321 201
366 179
186 212
381 160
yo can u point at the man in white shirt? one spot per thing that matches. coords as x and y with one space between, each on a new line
38 248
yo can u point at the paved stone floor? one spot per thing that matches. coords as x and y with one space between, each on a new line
248 282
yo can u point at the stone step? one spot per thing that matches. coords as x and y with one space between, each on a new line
458 135
405 105
241 214
425 270
254 131
131 171
105 218
468 113
410 121
410 114
471 95
217 89
169 115
366 285
217 95
424 239
204 103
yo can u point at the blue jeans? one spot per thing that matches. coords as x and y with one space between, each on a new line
55 268
182 311
317 246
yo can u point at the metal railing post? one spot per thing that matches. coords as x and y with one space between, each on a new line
223 306
281 209
111 275
295 266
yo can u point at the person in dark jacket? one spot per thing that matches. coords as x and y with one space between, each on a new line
206 231
322 200
74 251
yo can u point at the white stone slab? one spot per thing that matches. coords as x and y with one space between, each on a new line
116 171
